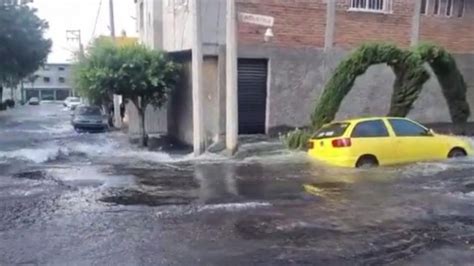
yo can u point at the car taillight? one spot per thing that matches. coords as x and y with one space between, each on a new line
309 145
341 143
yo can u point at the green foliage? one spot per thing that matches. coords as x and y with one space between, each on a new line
93 73
345 75
133 71
297 139
23 47
449 77
410 75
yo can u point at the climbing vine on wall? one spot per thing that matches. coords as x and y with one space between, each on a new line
410 75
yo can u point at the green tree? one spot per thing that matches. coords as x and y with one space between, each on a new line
23 47
139 74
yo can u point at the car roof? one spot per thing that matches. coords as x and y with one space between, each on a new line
362 119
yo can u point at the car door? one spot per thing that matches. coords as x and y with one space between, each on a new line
371 137
413 141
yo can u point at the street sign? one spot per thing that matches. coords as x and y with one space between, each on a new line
262 20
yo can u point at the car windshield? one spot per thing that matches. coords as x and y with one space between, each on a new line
74 100
88 111
331 131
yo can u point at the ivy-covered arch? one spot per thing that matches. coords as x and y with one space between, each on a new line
410 75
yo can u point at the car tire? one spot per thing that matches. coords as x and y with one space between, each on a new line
367 161
457 153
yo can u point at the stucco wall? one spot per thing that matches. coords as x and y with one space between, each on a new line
177 24
297 78
155 120
180 108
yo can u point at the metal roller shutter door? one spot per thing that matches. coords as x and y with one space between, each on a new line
252 94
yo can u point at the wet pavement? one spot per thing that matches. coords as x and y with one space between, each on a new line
94 199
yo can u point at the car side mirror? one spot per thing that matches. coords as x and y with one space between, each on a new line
430 132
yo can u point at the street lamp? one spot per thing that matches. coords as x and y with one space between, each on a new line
268 35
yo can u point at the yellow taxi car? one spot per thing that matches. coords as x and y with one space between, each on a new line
375 141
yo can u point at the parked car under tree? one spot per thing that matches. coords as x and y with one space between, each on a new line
89 118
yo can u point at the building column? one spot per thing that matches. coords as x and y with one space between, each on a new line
232 115
40 96
415 27
221 88
55 95
197 79
330 24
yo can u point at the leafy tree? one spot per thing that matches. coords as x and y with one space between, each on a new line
139 74
23 47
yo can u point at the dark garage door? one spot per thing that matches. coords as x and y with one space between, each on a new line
252 93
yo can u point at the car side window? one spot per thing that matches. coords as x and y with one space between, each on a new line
367 129
405 128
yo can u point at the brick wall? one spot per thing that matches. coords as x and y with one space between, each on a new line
356 27
455 33
302 23
298 23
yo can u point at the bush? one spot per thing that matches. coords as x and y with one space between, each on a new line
297 139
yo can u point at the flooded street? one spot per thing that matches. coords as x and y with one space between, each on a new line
94 199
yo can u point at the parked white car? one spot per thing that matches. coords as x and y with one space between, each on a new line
72 102
34 101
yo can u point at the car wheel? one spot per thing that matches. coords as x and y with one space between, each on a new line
456 153
367 161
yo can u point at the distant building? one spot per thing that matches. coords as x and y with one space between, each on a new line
51 82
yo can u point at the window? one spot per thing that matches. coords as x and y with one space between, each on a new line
436 7
424 7
46 79
405 128
449 8
61 79
61 68
88 110
381 6
331 131
367 129
460 8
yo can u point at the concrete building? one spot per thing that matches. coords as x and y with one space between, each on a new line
51 82
280 80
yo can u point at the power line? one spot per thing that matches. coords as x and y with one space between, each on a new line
97 19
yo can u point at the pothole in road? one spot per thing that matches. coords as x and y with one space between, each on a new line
32 175
135 197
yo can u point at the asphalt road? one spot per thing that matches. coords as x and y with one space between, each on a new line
94 199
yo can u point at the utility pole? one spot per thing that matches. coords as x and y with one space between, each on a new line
112 19
198 130
117 99
75 36
232 116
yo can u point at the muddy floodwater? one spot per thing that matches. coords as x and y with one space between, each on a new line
94 199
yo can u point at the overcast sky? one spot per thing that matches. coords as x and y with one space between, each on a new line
65 15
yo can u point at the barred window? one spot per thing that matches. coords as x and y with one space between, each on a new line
382 6
449 8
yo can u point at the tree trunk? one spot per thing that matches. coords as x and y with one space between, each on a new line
143 141
141 107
